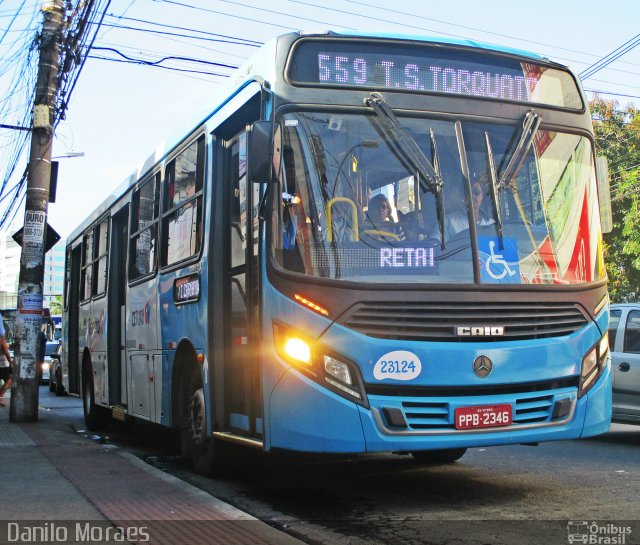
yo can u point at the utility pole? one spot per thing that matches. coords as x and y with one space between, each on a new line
24 390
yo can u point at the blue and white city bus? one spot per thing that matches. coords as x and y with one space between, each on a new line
370 243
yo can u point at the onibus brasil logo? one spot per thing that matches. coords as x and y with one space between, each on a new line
597 533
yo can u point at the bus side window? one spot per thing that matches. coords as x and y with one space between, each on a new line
143 247
86 288
101 262
182 213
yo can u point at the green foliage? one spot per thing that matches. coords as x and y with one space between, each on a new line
55 307
617 132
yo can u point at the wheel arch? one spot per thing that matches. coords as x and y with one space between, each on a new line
85 367
185 362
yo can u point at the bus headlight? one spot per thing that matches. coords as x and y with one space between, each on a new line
331 370
297 349
340 376
343 377
337 369
593 365
294 347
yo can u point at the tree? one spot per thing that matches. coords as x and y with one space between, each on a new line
617 132
55 306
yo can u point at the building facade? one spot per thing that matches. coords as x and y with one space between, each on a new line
10 272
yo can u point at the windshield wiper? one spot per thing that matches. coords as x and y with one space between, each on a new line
494 190
530 126
438 187
429 176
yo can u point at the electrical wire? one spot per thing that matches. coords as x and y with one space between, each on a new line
611 57
151 65
164 33
160 61
173 2
602 92
174 27
77 40
475 29
13 20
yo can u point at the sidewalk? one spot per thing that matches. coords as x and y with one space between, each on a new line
60 486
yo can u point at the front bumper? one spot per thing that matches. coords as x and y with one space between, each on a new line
306 417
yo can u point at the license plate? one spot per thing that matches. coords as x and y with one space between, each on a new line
485 416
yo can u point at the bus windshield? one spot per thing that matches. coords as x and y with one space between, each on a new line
494 205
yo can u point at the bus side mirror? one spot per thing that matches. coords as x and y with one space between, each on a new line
260 149
604 194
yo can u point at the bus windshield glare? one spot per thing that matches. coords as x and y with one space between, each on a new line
352 206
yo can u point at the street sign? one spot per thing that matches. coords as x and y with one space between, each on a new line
52 237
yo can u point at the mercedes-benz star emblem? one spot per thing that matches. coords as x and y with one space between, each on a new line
482 366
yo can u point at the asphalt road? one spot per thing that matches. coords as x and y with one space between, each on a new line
500 495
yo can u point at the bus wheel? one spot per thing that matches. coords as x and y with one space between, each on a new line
444 456
195 440
96 418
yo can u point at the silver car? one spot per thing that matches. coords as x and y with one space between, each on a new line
624 341
52 351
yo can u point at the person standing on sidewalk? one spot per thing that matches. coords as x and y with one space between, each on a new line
6 367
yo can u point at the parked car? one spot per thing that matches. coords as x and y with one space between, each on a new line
624 342
52 350
55 373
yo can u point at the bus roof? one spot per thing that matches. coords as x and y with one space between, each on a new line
441 40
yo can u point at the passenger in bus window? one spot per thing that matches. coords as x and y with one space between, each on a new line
479 190
410 222
457 219
378 218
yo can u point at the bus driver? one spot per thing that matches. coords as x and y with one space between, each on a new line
379 220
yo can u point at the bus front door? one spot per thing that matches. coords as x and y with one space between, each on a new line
116 311
242 407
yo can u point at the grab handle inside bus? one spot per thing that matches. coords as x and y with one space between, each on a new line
354 216
260 149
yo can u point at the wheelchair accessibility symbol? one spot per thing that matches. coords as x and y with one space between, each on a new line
498 264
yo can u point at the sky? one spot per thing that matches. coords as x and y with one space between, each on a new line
120 111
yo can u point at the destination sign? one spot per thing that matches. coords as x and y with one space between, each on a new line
186 289
432 69
371 259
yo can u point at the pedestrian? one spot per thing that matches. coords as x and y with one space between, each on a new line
6 368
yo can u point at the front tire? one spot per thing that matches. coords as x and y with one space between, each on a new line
443 456
195 442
